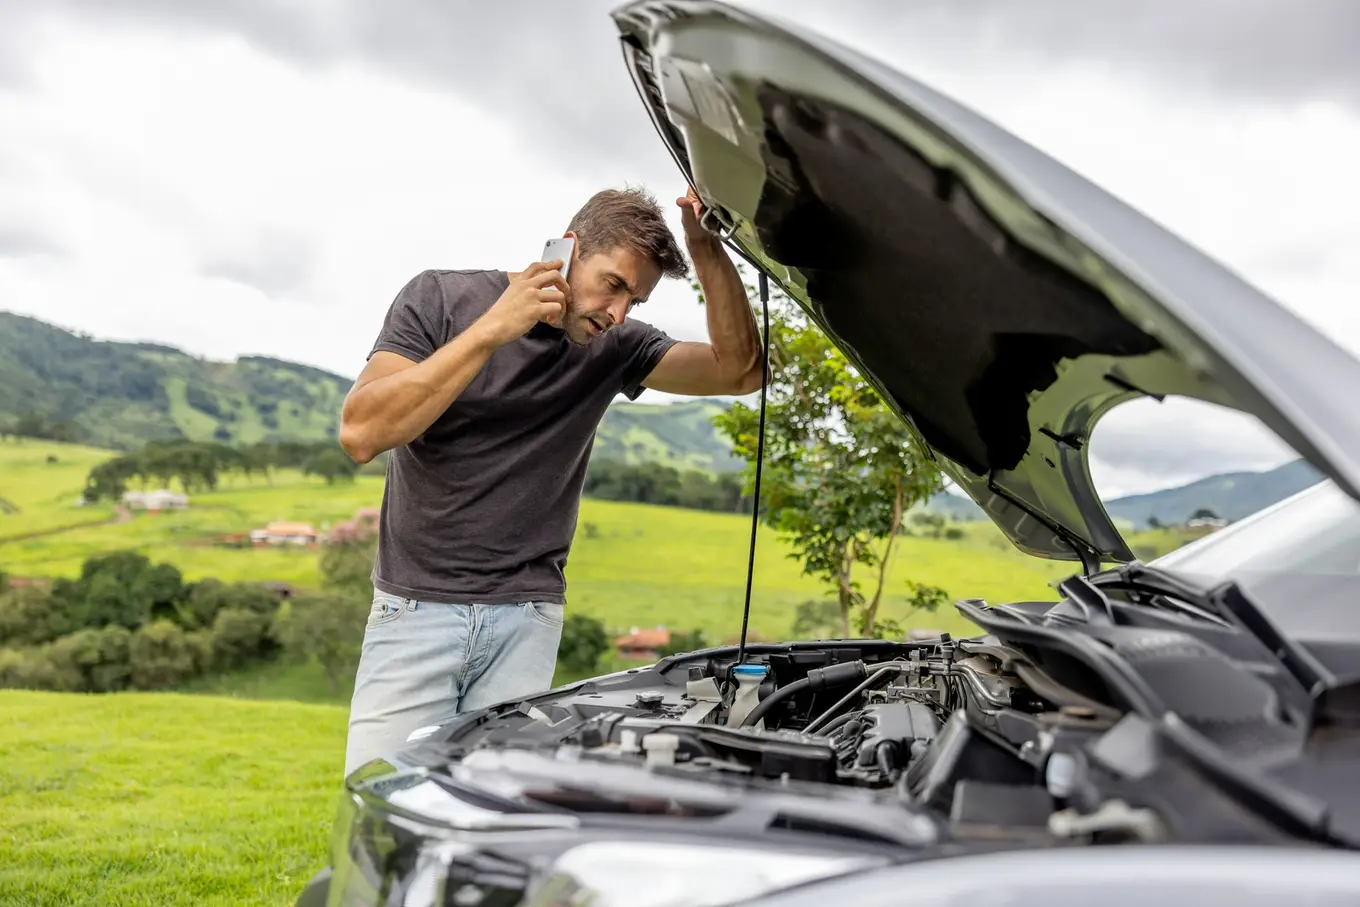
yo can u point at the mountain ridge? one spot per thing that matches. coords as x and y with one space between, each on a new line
1230 496
121 394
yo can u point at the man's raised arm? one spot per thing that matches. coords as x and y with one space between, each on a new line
394 400
730 362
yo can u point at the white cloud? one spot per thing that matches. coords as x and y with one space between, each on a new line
192 187
248 206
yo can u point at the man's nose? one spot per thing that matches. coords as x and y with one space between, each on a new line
618 310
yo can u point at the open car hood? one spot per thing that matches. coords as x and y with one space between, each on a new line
1000 303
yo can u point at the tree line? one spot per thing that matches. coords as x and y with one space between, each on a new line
655 483
199 466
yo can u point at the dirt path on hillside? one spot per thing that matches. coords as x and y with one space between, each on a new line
121 515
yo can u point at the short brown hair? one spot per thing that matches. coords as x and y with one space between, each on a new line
629 218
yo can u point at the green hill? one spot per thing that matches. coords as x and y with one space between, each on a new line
1230 495
120 395
675 434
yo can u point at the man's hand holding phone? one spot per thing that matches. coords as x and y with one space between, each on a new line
538 293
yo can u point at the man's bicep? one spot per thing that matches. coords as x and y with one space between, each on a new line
687 368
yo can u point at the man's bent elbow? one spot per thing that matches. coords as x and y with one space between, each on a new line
355 443
751 381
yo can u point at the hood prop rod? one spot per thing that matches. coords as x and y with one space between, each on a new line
764 284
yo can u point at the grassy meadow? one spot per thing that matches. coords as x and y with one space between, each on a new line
631 564
163 799
224 792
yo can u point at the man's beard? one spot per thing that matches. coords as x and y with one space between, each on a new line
576 325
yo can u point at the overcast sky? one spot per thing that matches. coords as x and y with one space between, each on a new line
166 163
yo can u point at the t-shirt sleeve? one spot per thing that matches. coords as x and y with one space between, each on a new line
413 324
642 348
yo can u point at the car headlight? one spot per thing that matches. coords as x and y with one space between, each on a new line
408 840
664 874
616 874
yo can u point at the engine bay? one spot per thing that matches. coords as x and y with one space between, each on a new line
994 741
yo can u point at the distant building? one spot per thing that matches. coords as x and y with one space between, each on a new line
285 533
160 499
640 643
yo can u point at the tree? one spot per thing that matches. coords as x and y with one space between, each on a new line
329 628
841 470
161 656
331 464
583 642
239 636
1204 513
931 524
1154 523
29 616
347 567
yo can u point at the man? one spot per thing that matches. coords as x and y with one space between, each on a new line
487 387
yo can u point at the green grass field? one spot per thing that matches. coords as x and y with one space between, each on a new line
162 799
225 796
40 496
631 564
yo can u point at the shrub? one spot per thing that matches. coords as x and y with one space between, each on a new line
113 667
207 598
30 616
239 635
953 533
584 640
201 648
161 656
26 669
329 628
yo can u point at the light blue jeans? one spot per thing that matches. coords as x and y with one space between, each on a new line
423 662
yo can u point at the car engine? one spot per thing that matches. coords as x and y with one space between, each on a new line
972 731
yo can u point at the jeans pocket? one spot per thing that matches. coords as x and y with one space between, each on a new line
549 613
386 608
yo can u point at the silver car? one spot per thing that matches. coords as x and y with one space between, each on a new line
1186 731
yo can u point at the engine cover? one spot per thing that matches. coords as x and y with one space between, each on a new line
901 730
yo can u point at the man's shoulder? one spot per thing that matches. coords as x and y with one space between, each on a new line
451 289
461 281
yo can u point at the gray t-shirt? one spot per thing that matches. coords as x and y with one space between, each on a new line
482 507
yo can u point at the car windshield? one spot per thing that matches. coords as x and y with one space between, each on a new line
1315 532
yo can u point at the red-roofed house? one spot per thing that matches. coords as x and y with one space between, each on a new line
643 643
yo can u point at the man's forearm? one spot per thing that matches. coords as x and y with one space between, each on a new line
731 326
396 409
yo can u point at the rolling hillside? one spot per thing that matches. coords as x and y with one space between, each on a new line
673 434
1230 495
120 395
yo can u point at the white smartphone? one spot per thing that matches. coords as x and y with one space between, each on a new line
562 248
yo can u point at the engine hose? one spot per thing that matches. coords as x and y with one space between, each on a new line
837 723
822 719
816 679
763 707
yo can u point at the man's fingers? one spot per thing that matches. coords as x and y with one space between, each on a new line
553 295
551 277
538 267
551 312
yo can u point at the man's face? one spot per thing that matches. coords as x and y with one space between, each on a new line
605 286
